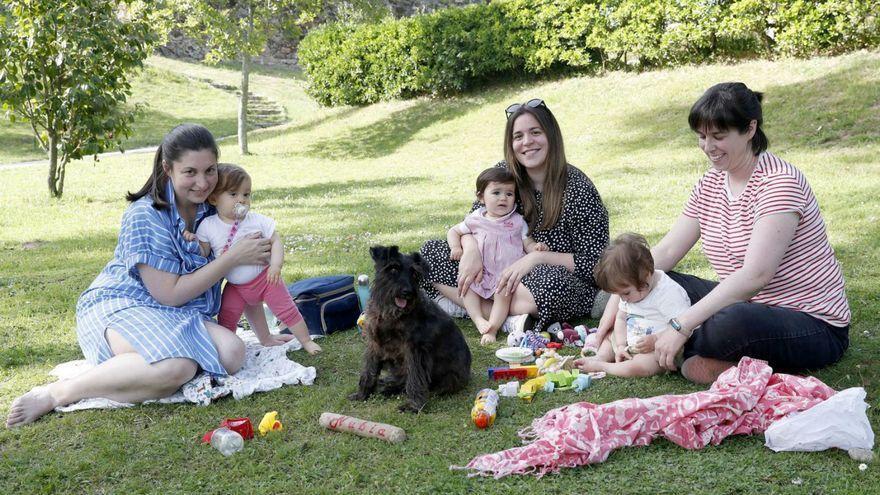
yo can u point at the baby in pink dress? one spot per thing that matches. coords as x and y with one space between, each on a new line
502 238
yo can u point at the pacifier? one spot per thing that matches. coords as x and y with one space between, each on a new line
240 210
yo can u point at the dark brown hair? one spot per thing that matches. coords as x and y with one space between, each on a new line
183 138
556 178
229 177
627 261
727 105
494 174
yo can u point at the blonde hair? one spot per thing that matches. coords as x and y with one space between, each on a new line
627 261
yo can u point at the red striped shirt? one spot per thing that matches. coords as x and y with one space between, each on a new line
809 278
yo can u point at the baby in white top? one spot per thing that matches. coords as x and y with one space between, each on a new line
649 299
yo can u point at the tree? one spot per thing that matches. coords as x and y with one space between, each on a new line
239 30
64 68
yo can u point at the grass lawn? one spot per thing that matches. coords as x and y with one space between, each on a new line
340 180
170 98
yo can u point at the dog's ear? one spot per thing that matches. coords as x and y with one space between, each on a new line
420 265
379 254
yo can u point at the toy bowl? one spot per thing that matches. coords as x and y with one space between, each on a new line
514 355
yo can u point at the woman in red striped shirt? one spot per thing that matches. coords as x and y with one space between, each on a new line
781 294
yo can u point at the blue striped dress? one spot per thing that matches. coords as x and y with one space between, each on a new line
119 300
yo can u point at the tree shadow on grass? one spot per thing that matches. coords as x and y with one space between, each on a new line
384 137
337 189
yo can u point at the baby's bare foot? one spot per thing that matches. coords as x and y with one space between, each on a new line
312 348
30 406
483 326
487 339
590 364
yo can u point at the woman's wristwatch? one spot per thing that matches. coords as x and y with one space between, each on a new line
676 325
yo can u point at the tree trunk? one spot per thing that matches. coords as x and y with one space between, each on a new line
243 103
56 171
245 74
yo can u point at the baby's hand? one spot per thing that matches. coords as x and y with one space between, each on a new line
540 246
645 344
189 236
273 340
622 354
455 253
273 275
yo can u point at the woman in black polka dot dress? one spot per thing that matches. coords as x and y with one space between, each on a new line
563 210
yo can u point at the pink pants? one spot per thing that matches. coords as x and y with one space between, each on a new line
254 293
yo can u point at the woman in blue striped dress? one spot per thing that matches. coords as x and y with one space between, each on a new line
147 321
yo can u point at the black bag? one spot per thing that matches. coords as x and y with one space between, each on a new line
327 304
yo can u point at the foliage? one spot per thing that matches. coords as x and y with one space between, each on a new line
455 49
437 53
66 70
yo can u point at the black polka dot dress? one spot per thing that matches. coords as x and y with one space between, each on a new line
582 229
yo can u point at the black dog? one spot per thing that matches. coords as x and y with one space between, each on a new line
409 336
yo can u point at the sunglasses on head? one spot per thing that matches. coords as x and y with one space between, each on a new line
533 103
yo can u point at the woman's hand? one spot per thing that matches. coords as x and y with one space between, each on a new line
513 274
252 250
666 347
470 268
645 344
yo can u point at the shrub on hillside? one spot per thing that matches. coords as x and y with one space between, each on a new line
455 49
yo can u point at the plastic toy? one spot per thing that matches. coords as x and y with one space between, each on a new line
508 389
485 407
531 369
242 426
360 322
528 389
562 380
269 423
582 382
362 427
504 373
514 355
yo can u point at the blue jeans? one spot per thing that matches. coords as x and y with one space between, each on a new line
788 340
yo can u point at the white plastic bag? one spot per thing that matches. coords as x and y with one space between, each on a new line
840 421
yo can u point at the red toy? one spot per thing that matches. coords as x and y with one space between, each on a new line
242 426
506 373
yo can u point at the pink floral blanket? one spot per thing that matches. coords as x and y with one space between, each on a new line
743 400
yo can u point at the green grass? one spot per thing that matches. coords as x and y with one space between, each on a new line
340 180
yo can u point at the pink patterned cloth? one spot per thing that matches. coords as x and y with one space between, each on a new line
743 400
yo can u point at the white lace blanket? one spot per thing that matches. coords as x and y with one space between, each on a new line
265 368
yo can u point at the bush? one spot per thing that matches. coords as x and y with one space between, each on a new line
456 49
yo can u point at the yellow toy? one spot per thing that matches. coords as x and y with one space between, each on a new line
485 406
269 423
531 387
